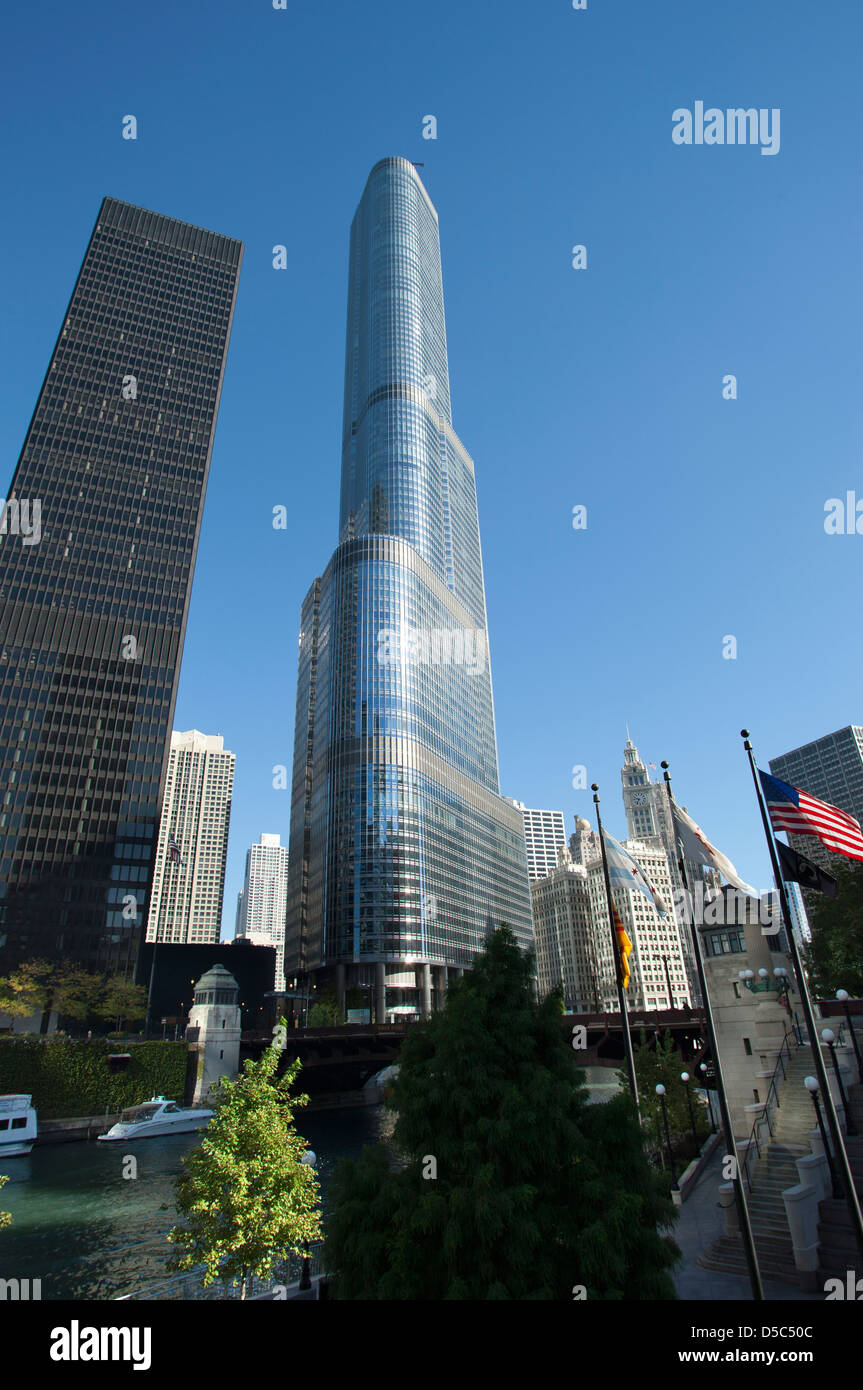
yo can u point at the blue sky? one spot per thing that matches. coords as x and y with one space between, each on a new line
600 387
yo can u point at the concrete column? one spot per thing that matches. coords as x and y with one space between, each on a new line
423 979
380 992
729 1207
340 988
801 1209
441 983
813 1171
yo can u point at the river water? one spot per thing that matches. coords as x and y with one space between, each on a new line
89 1233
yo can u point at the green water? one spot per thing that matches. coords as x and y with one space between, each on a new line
89 1233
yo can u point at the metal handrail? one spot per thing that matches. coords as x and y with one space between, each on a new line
772 1096
185 1287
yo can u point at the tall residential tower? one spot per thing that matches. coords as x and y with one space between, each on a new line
263 900
192 850
93 611
403 854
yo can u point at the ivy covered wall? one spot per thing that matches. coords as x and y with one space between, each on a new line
72 1076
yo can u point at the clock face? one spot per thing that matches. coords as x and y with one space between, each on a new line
639 798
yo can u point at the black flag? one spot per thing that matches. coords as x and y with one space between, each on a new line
796 868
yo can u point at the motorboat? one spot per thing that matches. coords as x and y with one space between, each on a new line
156 1117
18 1126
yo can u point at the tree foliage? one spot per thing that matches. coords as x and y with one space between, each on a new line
662 1064
835 956
37 986
247 1197
5 1216
121 1000
324 1011
512 1186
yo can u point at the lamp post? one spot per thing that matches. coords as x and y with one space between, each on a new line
783 987
811 1085
660 1091
664 960
842 996
829 1037
702 1067
310 1158
684 1076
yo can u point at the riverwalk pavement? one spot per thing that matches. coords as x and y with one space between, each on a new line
701 1222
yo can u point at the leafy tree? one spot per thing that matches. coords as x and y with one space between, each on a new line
246 1195
324 1011
74 991
663 1064
25 990
510 1186
121 1000
835 955
5 1216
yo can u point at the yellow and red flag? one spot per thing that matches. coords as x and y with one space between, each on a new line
624 945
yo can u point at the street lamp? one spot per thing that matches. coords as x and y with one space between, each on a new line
660 1091
842 996
684 1076
702 1067
310 1158
829 1037
811 1085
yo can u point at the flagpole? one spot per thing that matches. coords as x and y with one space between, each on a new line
621 995
725 1113
840 1153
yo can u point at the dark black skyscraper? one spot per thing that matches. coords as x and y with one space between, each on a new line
97 554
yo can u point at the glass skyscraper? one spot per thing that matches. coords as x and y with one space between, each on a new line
403 854
93 610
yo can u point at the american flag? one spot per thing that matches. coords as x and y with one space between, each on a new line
799 813
174 852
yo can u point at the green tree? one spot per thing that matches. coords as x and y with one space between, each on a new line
325 1010
510 1186
24 991
247 1197
835 956
73 990
120 1000
5 1216
663 1064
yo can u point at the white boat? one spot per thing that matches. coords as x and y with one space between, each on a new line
18 1127
157 1116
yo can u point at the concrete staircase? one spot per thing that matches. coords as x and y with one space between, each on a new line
837 1250
774 1171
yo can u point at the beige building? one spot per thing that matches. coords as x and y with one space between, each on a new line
567 949
189 877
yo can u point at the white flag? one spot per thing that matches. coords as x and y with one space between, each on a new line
626 872
699 850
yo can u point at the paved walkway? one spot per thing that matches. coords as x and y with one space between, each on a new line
701 1221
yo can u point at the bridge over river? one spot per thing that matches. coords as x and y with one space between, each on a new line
341 1058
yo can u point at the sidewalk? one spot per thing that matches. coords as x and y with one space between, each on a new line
701 1221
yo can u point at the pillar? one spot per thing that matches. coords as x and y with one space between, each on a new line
423 974
440 985
380 992
340 989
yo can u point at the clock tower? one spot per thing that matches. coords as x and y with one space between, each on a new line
639 800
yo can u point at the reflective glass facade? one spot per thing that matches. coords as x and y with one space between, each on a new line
402 849
93 614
